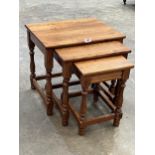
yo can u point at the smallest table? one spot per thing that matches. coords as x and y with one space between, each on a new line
100 70
68 56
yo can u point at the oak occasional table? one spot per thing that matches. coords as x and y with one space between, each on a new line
51 35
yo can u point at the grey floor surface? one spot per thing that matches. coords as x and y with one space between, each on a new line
42 135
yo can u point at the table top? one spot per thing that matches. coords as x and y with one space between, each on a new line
73 32
109 64
89 51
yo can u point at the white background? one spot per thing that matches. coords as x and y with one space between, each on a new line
145 77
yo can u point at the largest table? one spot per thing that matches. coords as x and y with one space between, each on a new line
51 35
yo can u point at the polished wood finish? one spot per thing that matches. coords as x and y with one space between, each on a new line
109 65
102 69
67 56
51 35
73 32
97 50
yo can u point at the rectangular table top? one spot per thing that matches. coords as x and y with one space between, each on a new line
97 50
103 65
73 32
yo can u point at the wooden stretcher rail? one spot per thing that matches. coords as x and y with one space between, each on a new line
100 119
107 92
41 77
76 115
106 84
91 121
42 94
79 93
59 85
57 103
107 101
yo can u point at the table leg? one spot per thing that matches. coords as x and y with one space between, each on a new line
31 46
48 86
65 97
118 100
83 107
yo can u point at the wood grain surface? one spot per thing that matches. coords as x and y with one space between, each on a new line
73 32
97 50
103 65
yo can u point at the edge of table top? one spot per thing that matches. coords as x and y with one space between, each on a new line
81 42
92 51
120 62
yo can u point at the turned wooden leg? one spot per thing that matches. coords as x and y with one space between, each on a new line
65 97
65 101
48 85
31 46
118 100
112 86
83 109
